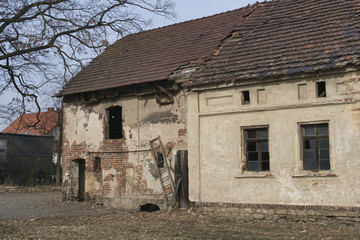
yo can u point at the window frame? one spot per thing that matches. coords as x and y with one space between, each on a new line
317 137
246 140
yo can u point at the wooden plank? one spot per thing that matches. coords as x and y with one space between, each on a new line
171 204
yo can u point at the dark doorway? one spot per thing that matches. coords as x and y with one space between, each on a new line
181 170
78 173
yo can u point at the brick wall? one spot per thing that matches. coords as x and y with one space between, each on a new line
128 175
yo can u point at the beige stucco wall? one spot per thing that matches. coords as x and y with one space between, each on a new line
216 155
129 176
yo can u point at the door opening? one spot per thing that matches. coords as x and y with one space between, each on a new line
78 173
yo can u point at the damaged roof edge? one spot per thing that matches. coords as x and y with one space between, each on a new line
140 53
271 79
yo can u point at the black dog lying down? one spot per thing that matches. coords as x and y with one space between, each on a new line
149 207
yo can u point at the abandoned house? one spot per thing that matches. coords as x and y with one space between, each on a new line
45 123
266 99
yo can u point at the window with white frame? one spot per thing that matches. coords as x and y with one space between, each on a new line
315 146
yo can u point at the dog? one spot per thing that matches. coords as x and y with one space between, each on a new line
149 207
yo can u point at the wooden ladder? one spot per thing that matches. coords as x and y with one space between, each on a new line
165 173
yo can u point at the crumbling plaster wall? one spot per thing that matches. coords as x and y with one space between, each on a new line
128 174
216 144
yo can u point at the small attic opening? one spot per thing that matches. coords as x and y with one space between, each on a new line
321 89
245 97
115 122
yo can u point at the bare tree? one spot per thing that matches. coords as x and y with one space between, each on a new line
43 43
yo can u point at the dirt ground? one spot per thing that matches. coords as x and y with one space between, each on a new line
40 214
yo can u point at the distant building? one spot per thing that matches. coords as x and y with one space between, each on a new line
48 125
26 157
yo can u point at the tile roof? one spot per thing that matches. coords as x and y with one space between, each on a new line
273 38
153 55
284 37
24 124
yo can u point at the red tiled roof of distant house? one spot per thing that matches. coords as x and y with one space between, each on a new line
25 123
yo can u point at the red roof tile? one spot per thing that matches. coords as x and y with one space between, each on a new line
24 124
153 55
288 36
273 38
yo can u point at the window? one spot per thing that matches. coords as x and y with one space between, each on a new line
3 144
115 122
321 89
315 144
245 97
97 164
257 149
160 160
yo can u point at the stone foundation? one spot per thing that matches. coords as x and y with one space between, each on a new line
272 212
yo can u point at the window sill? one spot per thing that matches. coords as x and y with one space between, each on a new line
314 174
254 175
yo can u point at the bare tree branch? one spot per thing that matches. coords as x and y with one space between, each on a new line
43 43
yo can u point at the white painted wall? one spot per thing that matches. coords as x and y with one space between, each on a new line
216 155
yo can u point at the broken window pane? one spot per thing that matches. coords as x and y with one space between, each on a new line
245 97
321 89
310 144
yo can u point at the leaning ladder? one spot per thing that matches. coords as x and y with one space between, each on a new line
163 166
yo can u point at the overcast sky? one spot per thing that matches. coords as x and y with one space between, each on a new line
186 10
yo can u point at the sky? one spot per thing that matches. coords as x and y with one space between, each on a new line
185 10
193 9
